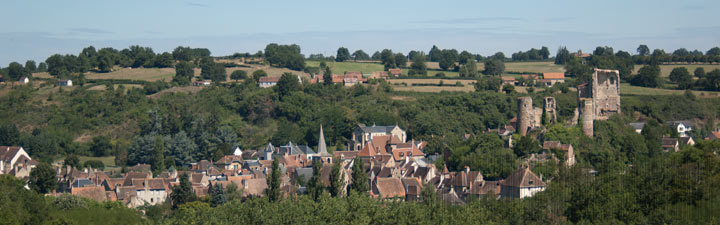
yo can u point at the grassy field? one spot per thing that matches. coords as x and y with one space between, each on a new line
146 74
666 69
342 67
400 87
103 87
627 89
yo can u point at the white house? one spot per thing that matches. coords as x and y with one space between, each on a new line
638 126
14 160
24 80
266 82
202 83
522 183
237 152
67 83
682 127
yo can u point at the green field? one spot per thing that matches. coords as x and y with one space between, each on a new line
342 67
627 89
666 69
146 74
433 68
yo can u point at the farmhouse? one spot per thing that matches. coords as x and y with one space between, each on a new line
551 79
395 72
15 161
266 82
201 83
508 80
67 83
379 75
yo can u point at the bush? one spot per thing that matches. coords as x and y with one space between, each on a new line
95 164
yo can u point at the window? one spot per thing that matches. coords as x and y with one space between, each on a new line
530 182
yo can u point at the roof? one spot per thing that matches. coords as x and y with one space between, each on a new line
507 78
554 76
322 148
395 71
529 76
389 187
96 193
376 129
270 79
254 187
637 125
548 145
669 142
715 134
523 177
8 152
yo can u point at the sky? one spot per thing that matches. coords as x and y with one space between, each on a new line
34 29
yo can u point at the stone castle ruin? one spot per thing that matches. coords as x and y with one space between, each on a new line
599 99
530 117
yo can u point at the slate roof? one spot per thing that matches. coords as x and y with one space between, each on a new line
322 148
83 183
375 129
638 125
669 142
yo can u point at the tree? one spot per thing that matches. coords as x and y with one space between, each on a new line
288 83
508 88
545 52
576 68
342 55
238 75
183 192
488 84
217 195
15 71
287 56
183 73
434 54
359 177
648 76
388 59
494 67
95 164
100 146
158 164
30 66
400 60
73 161
273 182
643 50
104 63
525 146
360 55
337 179
257 74
9 134
563 56
42 67
43 179
315 185
469 69
327 76
212 71
448 57
715 51
418 67
682 77
699 72
464 57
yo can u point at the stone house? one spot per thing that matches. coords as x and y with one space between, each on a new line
521 184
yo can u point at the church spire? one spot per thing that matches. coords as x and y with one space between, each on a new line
322 148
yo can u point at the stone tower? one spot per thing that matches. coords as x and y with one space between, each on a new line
599 99
588 119
528 116
550 109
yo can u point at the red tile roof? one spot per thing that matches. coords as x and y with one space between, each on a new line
554 76
389 187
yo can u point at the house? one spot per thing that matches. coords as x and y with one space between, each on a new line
670 144
238 152
379 75
363 134
551 79
24 80
508 81
638 126
406 150
686 141
388 187
96 193
266 82
201 83
66 83
522 183
528 79
395 72
15 161
715 135
151 191
254 187
230 162
568 154
682 127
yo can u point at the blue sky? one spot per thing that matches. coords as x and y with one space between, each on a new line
34 29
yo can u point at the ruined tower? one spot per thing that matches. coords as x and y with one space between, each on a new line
550 109
599 99
528 116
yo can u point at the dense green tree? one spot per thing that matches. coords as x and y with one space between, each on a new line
699 72
184 72
400 60
360 55
387 58
212 71
158 162
682 77
435 54
563 56
42 179
418 66
464 57
287 56
648 76
100 146
315 185
30 66
42 67
581 71
273 191
327 76
217 195
287 84
95 164
73 161
469 69
9 134
359 177
448 57
643 50
337 179
183 192
15 71
715 51
239 75
164 60
257 74
494 67
526 145
343 54
488 84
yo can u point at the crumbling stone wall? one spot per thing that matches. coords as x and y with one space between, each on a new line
599 99
528 116
550 109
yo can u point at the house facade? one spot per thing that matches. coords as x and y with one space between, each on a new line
522 183
364 134
14 160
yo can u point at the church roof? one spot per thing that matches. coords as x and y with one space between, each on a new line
322 148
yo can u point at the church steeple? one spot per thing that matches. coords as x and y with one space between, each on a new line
322 148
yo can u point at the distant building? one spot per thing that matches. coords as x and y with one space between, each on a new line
24 80
508 80
551 79
266 82
363 134
202 83
15 161
521 184
638 126
670 144
682 127
395 72
66 83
